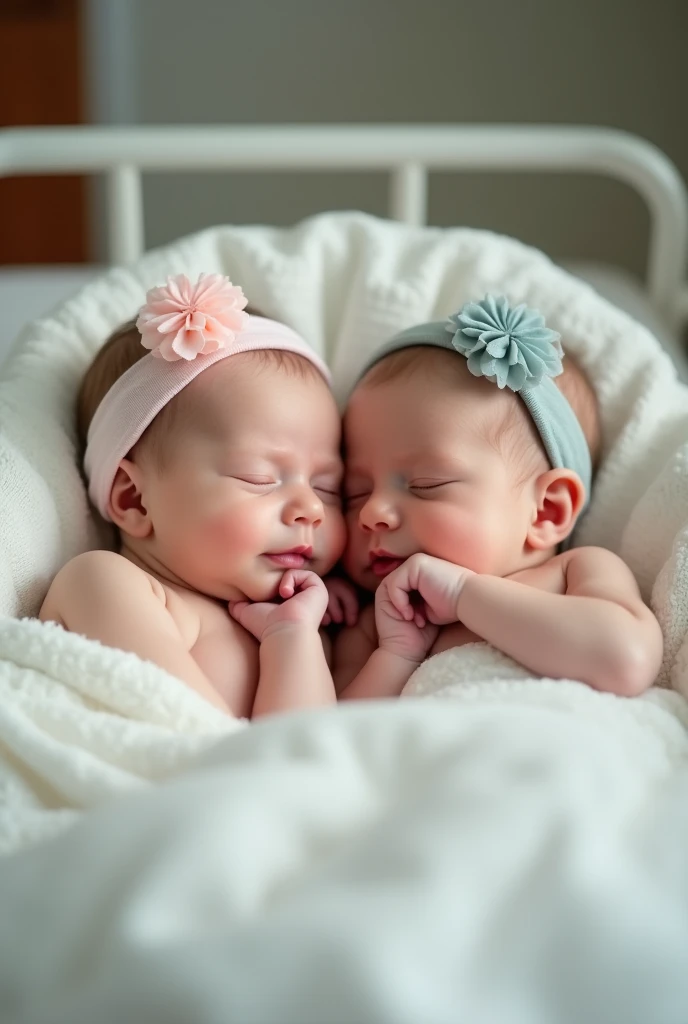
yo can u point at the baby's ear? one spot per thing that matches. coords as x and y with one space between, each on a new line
126 506
559 500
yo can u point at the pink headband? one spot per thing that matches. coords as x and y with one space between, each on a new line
188 329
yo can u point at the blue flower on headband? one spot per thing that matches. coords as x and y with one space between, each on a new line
510 345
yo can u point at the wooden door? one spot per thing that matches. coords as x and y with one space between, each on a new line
42 219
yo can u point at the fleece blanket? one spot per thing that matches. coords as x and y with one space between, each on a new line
488 860
504 855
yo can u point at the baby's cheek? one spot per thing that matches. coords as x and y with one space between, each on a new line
354 538
238 531
449 533
335 537
355 550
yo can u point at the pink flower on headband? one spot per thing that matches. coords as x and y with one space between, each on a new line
182 321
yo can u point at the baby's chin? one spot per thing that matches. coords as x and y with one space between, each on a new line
260 589
264 585
227 591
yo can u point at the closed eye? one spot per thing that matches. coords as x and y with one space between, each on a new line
257 481
331 496
353 499
431 486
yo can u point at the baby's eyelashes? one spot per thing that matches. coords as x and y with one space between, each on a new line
356 489
328 487
255 481
430 485
328 495
356 497
356 500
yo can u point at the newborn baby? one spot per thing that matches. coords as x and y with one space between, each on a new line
469 452
213 446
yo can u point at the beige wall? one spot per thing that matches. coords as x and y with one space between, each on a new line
611 62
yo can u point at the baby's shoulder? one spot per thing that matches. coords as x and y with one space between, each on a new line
94 575
595 567
590 557
572 571
97 566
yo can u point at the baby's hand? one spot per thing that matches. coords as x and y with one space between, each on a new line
398 635
305 603
342 605
438 583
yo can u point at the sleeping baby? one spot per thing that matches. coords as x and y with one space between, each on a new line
212 443
469 454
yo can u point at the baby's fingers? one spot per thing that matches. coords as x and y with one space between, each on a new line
399 597
236 609
288 584
299 579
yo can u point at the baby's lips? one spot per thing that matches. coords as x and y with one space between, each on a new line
294 557
384 565
288 559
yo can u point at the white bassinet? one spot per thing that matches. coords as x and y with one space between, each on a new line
513 854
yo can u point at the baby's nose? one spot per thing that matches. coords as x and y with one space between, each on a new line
377 514
305 508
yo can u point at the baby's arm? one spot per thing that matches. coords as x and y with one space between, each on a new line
293 668
105 597
293 672
599 631
352 647
342 610
403 645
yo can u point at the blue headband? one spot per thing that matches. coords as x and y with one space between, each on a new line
513 348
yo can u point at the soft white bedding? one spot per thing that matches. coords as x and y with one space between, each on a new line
514 851
419 861
32 291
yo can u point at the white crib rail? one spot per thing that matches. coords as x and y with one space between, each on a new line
408 152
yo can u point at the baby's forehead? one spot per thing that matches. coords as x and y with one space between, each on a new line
250 383
409 413
411 437
257 402
414 400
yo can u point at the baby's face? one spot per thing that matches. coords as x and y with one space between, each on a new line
422 477
249 485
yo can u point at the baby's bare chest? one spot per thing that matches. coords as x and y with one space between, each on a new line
225 652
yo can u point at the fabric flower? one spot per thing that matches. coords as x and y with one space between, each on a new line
182 321
509 345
